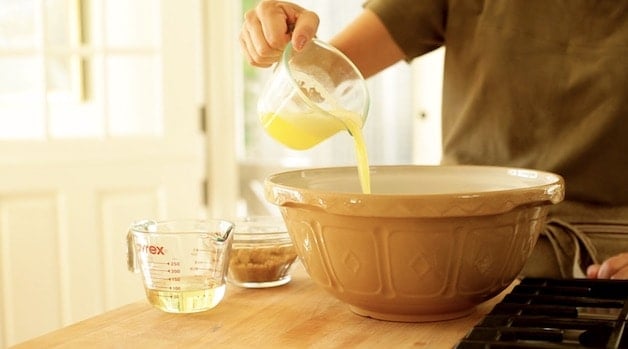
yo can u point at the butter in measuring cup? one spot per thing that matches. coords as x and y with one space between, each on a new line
312 95
183 262
301 131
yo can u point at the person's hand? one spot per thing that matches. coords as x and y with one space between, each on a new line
269 27
615 267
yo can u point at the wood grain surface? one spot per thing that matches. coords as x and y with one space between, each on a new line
297 315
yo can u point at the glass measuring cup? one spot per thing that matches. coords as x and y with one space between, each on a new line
183 262
312 95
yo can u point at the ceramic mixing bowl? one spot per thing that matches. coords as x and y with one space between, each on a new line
429 244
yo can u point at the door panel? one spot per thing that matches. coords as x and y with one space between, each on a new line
30 256
77 167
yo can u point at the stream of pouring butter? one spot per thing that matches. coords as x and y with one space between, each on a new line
350 121
304 130
353 122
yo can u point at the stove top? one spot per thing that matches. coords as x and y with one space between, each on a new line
552 313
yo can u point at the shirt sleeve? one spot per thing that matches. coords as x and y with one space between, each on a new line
417 26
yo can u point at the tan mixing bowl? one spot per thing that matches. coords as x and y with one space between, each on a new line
429 244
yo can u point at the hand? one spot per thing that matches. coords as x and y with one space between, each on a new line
615 267
269 27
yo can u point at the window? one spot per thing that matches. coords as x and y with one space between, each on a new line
66 72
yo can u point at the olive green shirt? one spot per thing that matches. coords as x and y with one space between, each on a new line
538 84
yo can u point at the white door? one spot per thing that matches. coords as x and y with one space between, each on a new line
99 126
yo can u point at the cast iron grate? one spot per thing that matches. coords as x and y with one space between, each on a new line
552 313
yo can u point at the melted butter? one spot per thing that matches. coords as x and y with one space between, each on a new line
304 130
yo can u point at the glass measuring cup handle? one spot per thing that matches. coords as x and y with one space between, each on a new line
131 256
132 260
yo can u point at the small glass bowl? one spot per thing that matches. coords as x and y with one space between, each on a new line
261 253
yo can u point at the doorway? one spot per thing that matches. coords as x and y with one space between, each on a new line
99 126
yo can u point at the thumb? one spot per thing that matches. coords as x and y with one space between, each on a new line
304 29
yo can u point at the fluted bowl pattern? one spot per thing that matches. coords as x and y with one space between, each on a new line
430 243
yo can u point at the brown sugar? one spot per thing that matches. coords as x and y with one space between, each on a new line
250 263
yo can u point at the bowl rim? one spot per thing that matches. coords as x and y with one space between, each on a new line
471 203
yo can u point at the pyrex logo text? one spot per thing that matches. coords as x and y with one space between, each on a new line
152 249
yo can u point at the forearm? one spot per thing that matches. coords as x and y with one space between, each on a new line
368 44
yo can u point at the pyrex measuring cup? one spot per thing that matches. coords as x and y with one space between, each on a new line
183 262
312 95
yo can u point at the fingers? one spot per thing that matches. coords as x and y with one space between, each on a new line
270 26
592 271
304 29
615 267
259 50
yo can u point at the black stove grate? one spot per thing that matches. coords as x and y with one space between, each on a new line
552 313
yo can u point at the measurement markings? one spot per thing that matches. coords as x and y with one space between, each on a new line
197 251
160 270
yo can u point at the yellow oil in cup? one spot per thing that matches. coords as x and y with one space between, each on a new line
313 95
183 262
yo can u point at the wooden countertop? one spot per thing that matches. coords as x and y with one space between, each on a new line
296 315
